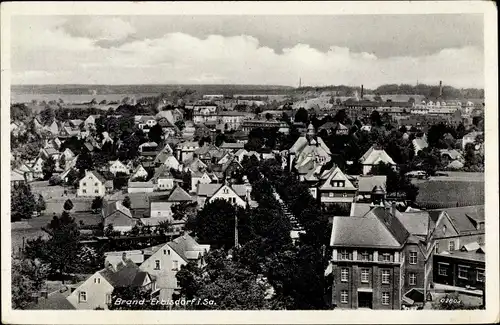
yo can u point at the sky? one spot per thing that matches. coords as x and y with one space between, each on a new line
235 49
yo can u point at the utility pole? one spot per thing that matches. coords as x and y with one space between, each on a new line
236 230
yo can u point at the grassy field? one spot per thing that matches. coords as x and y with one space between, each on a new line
450 193
31 229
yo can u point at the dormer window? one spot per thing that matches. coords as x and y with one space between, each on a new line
365 256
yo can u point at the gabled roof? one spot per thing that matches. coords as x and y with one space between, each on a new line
187 248
162 172
337 175
417 223
116 206
373 156
128 274
97 175
461 217
360 209
178 194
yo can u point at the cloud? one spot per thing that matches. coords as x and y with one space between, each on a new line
103 29
71 55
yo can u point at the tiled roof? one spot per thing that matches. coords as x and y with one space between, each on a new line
417 223
360 209
98 176
128 274
187 247
54 301
140 184
373 156
179 194
361 232
460 216
116 206
337 175
367 183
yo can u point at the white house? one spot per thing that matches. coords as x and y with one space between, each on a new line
118 167
139 172
96 291
90 121
92 184
373 157
37 167
161 206
469 138
140 187
199 178
164 261
234 194
163 179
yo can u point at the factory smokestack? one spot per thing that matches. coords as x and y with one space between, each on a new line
362 90
440 88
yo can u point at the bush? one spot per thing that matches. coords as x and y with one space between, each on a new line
55 180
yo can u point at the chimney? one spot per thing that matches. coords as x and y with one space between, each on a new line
440 88
393 209
362 91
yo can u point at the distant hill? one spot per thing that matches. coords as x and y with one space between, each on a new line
147 89
428 91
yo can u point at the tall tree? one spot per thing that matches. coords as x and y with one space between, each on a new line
84 162
301 115
156 133
22 202
48 167
28 277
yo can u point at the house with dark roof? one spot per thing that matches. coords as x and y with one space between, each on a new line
455 227
95 292
116 214
164 261
368 260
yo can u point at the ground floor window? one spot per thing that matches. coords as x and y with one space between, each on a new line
442 269
344 296
385 298
462 272
480 275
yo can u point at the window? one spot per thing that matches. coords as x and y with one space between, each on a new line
84 184
412 278
436 248
442 269
451 246
84 191
462 272
83 296
386 275
344 255
225 191
413 257
96 191
365 274
97 280
157 264
385 298
444 229
108 298
175 265
95 184
344 296
344 275
480 275
164 252
386 257
330 194
365 256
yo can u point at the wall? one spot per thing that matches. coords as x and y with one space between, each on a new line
165 276
161 209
